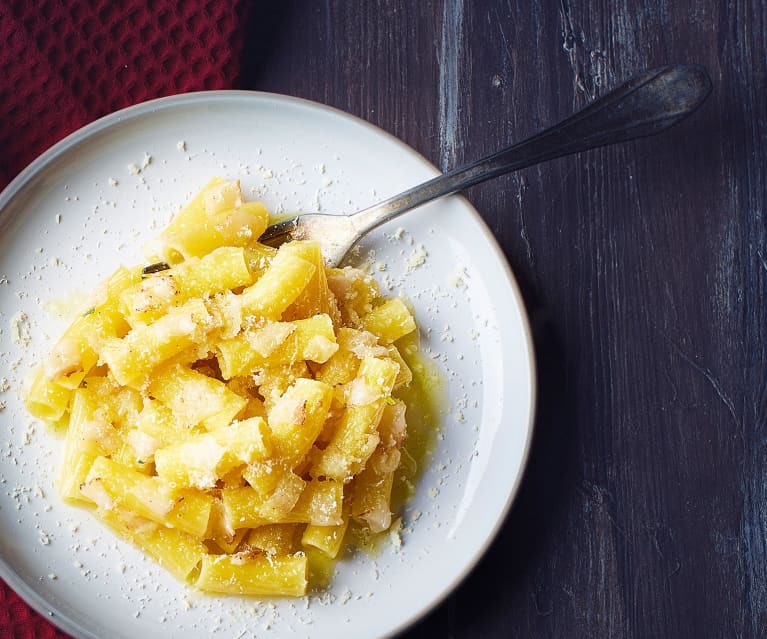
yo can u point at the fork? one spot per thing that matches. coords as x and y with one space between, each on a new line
645 105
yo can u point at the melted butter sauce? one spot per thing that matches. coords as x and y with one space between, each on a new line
426 401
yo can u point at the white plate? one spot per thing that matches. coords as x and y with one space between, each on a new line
78 212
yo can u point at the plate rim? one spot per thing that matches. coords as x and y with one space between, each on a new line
69 624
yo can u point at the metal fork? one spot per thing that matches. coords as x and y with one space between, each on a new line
647 104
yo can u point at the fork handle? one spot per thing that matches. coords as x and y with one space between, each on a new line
645 105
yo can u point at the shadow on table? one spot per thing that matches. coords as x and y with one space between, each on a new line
263 30
536 511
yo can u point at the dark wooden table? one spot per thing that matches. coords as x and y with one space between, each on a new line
643 512
644 508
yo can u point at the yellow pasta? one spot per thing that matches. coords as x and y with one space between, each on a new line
225 541
228 407
372 489
273 539
46 399
357 434
216 217
149 497
327 539
279 286
297 418
195 398
263 575
316 298
89 435
277 343
146 346
389 321
176 551
318 502
220 271
202 460
157 422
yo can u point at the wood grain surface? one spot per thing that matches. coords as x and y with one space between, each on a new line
644 508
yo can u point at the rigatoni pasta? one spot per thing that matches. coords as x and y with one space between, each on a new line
229 407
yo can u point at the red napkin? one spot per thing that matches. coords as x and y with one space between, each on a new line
66 63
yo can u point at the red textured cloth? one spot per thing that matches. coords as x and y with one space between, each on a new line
67 62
